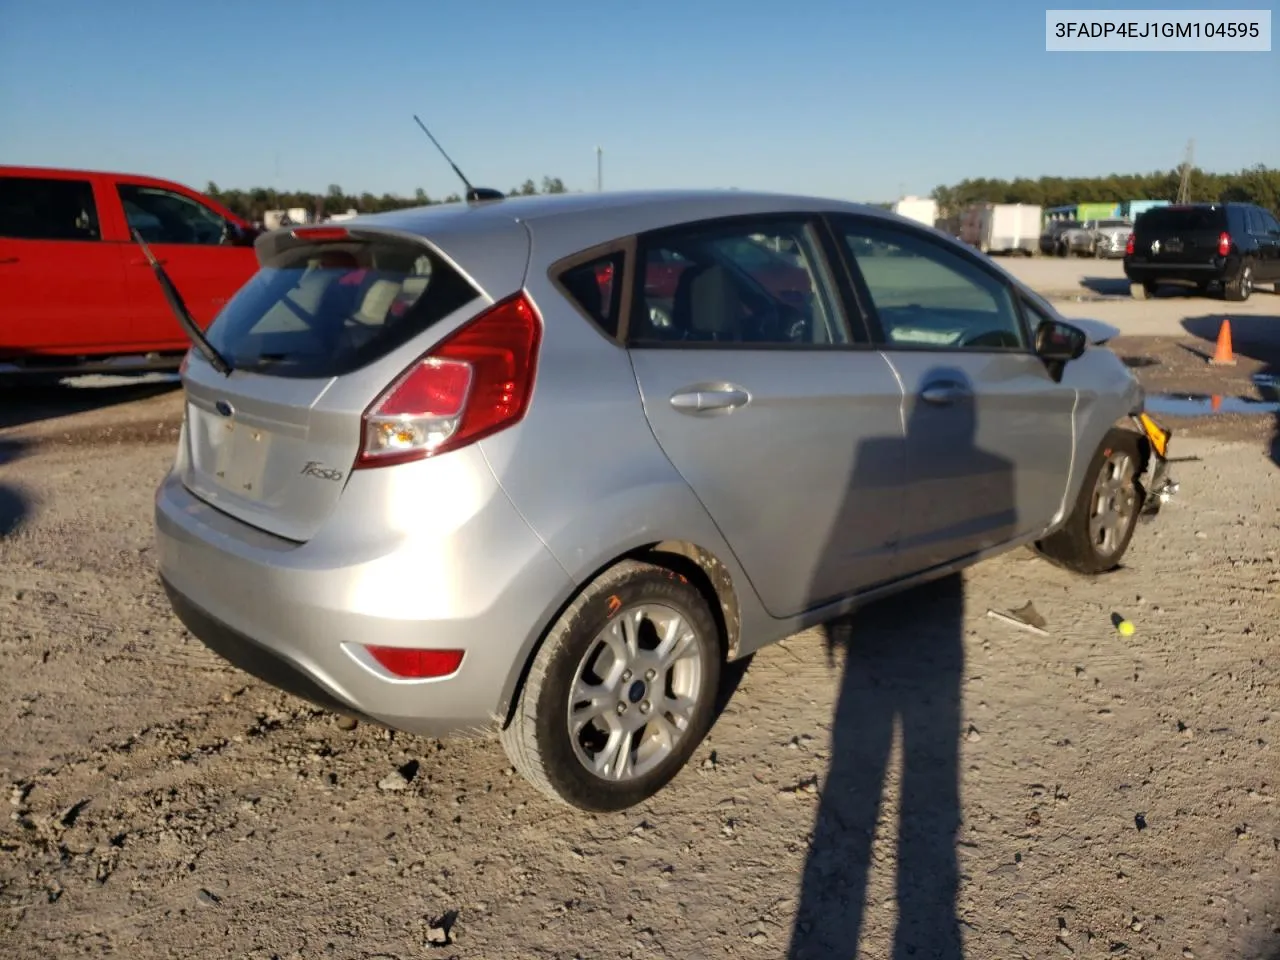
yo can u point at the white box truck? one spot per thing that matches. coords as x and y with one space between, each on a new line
1002 227
921 209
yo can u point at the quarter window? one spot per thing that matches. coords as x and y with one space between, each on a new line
745 283
34 208
929 297
162 216
596 287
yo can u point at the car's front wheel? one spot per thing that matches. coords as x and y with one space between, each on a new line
1100 525
621 691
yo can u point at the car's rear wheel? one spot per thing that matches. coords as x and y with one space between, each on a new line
1100 526
621 691
1239 288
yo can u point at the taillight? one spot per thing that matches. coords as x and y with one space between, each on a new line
1128 246
1224 243
472 384
417 664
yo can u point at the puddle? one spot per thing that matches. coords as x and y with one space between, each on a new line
1140 361
1203 404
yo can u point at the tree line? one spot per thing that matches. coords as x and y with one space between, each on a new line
252 203
1258 184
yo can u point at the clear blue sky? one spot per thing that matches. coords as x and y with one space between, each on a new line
837 97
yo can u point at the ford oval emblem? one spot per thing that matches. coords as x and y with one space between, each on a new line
224 408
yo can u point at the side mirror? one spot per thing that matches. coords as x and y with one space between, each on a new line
233 235
1060 342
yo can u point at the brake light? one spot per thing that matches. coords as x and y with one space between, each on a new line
1224 243
1128 246
417 664
479 380
320 233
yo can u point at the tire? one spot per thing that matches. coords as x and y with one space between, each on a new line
1075 546
538 739
1238 289
1142 291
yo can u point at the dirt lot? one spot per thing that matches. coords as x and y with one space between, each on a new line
1082 794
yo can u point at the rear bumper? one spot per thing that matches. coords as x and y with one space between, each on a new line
297 615
1192 273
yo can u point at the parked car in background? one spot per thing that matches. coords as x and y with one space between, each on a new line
1096 238
453 474
75 291
1231 246
1050 236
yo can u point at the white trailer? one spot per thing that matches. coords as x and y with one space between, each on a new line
1002 227
921 209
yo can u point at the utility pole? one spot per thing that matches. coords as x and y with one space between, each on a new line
1184 184
599 169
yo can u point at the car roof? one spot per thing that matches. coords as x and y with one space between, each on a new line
682 204
564 223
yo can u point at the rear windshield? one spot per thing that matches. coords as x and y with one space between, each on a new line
322 310
1182 220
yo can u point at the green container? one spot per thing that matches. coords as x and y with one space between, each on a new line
1097 211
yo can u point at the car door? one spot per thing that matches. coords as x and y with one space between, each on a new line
776 411
988 430
198 251
62 287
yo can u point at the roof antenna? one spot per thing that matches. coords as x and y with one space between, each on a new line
474 194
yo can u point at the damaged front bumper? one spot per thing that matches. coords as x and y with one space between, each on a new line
1157 484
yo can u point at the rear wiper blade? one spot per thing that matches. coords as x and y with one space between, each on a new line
189 326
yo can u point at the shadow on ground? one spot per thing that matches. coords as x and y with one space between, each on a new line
1255 337
1119 287
15 505
914 689
26 403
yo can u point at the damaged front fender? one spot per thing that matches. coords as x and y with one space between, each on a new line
1157 485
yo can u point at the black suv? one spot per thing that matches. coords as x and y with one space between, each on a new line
1236 245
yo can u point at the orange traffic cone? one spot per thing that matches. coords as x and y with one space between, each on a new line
1215 403
1223 356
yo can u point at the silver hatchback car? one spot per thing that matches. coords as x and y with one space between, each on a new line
542 466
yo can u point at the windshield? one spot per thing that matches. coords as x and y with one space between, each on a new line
322 310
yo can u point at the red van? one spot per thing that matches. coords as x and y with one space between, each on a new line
76 293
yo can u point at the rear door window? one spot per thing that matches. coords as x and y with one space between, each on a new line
163 216
325 309
741 282
37 208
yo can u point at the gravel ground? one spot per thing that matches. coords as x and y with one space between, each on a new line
1117 796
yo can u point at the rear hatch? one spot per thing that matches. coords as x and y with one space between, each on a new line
333 316
1179 234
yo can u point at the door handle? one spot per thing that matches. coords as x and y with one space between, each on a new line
697 401
943 393
8 260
